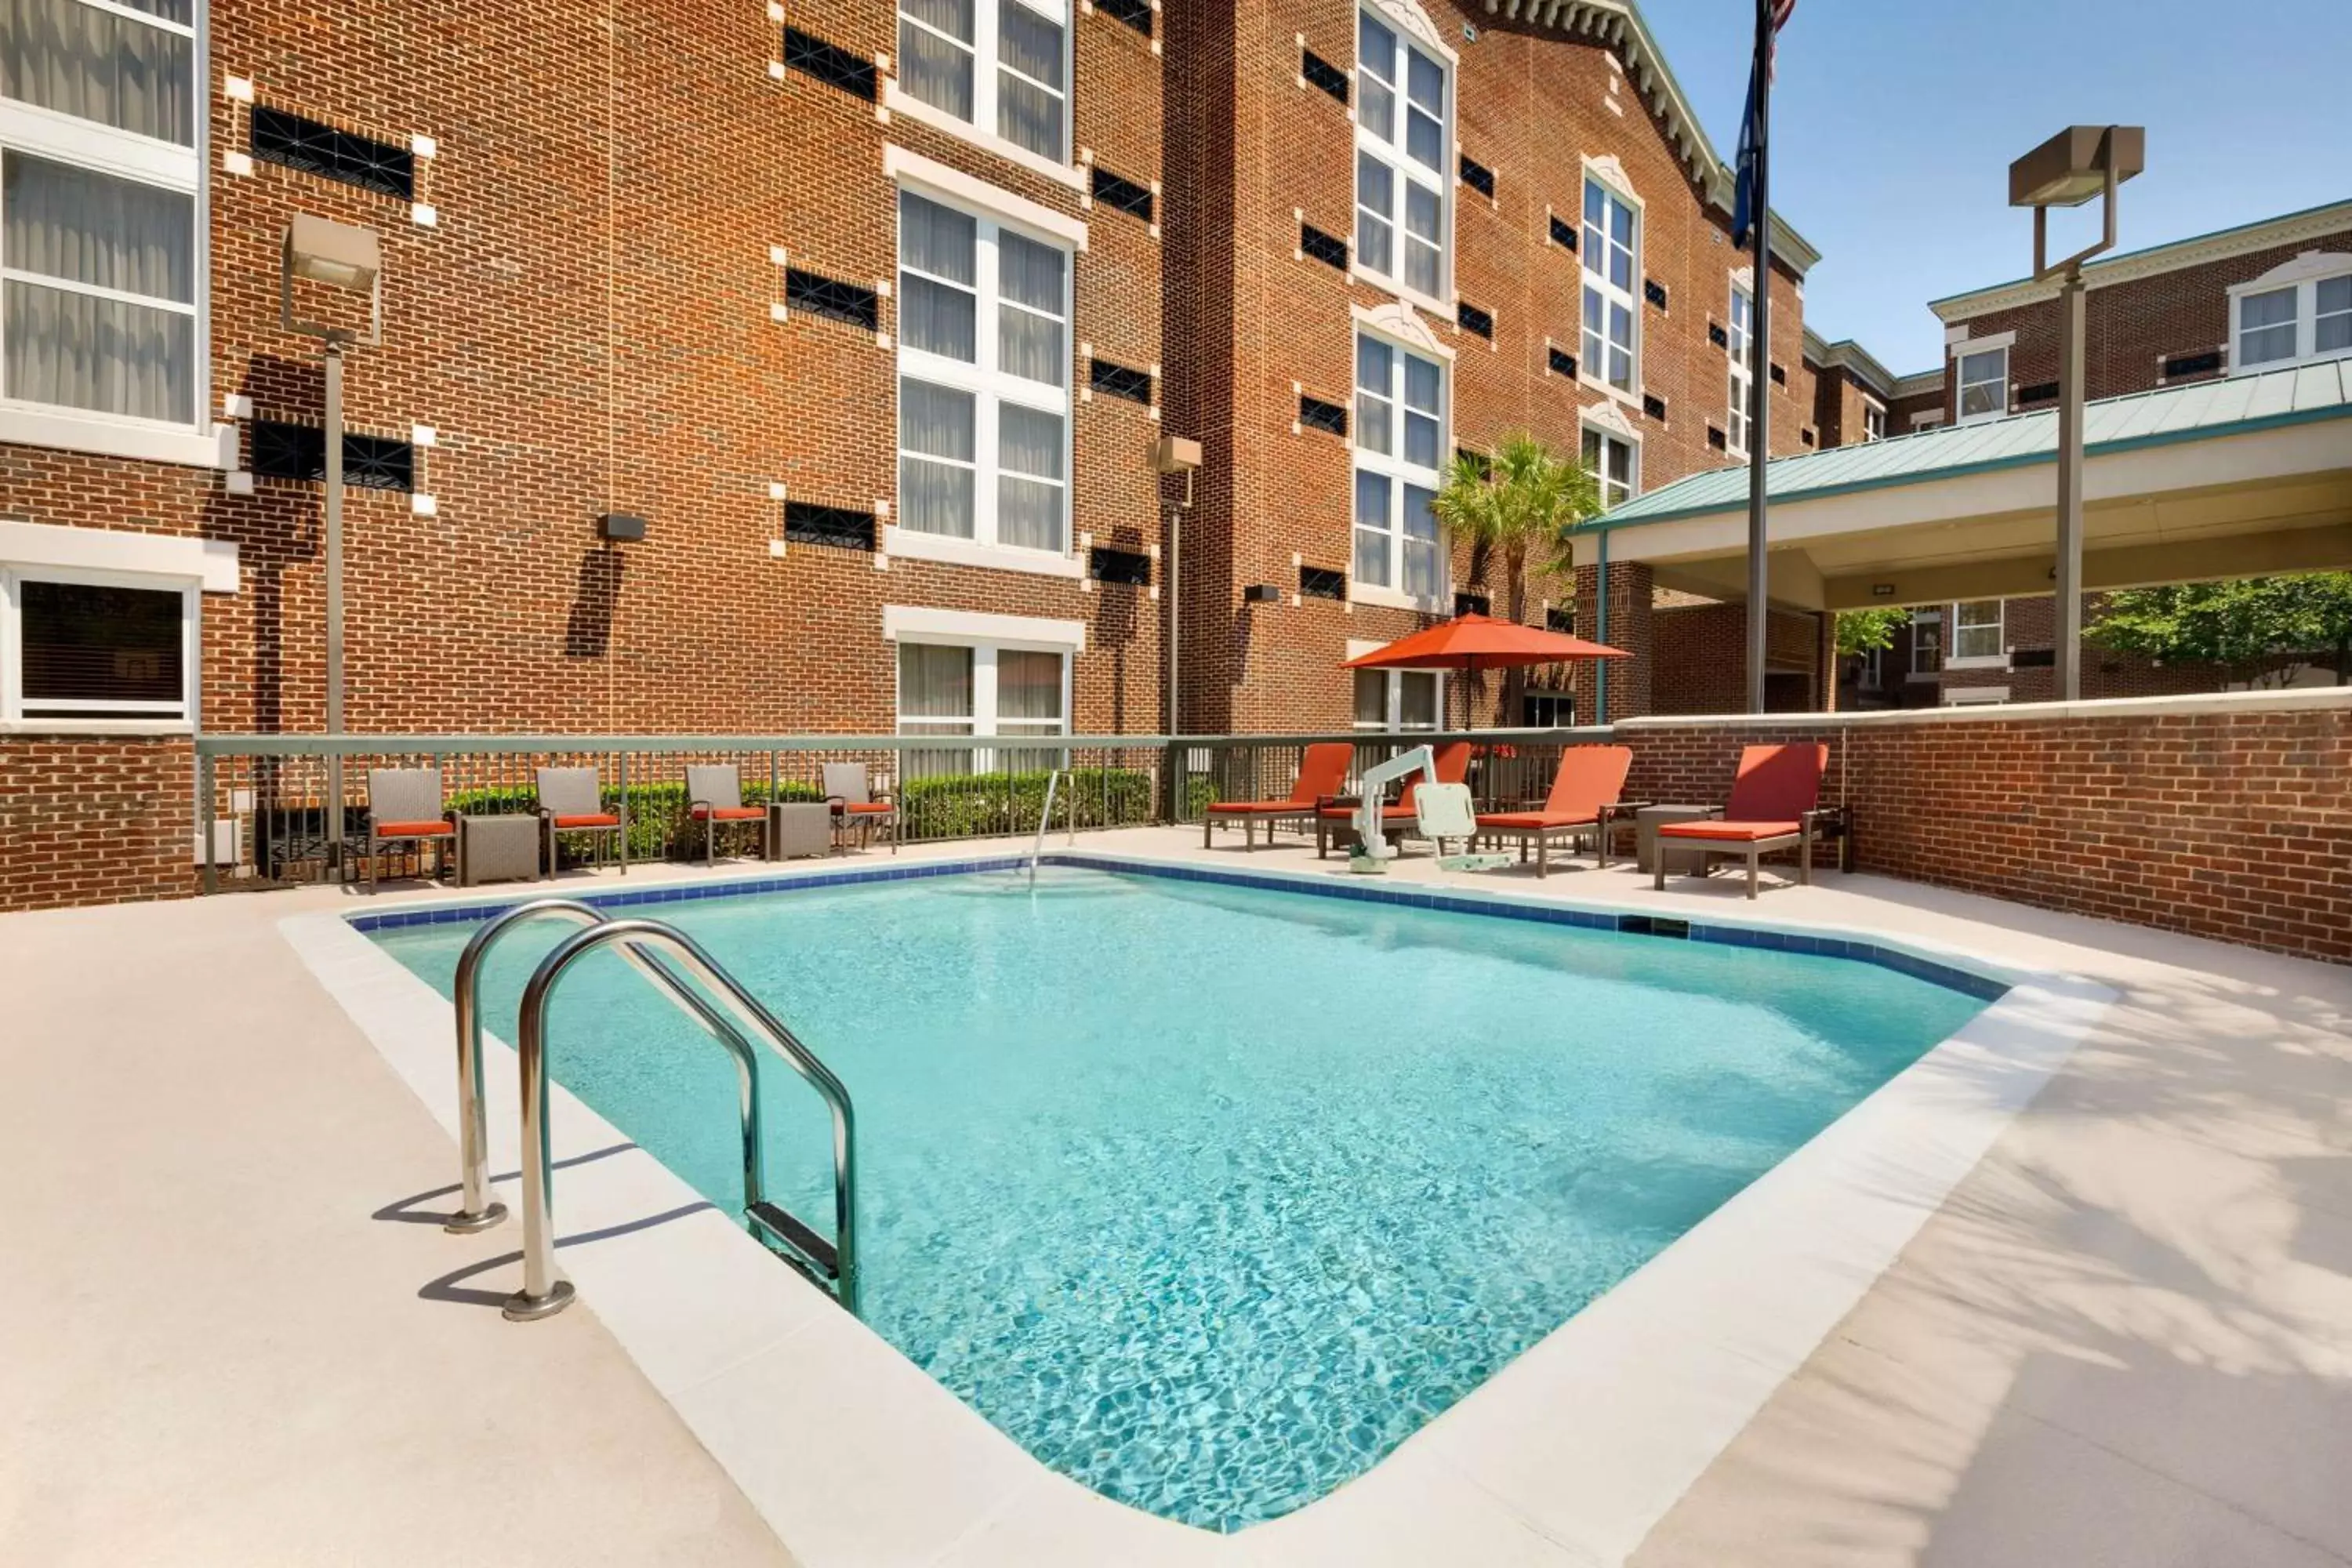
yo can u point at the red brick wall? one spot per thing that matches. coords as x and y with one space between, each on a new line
94 820
2234 825
1702 659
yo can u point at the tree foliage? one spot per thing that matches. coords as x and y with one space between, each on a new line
2243 627
1516 508
1865 631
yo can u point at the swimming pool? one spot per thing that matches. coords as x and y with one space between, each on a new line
1210 1195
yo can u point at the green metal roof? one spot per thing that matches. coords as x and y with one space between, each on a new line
2233 405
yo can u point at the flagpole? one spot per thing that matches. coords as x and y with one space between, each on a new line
1759 378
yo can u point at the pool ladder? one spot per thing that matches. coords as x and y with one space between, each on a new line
736 1020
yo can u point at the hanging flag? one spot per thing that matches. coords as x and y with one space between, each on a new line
1768 48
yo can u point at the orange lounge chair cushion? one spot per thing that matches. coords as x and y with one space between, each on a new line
868 807
412 830
1731 832
1508 820
729 813
1261 807
591 820
1388 813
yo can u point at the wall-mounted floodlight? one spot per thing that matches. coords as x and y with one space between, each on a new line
338 256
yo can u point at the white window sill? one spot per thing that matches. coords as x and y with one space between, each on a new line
1400 288
129 727
1630 399
1391 598
906 543
145 440
1978 661
901 102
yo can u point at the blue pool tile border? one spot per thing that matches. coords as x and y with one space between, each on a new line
1952 977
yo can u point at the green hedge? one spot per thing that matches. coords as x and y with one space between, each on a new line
656 814
972 805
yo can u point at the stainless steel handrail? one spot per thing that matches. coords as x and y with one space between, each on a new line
544 1292
1043 818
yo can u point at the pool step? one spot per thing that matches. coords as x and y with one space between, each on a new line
784 1232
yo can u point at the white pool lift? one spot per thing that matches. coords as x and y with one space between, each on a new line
1441 811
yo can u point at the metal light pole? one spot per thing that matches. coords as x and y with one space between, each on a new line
1759 357
2078 164
340 256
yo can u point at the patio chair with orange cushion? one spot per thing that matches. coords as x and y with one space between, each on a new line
1774 804
714 795
404 806
570 801
1452 765
1582 803
1322 774
849 790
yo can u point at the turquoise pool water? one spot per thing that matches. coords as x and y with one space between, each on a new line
1211 1196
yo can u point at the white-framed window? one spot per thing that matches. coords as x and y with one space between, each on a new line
982 687
89 647
1874 420
1872 676
1403 185
2297 313
984 379
999 66
1400 449
1547 707
1740 335
1977 636
102 278
1612 271
1974 696
1400 700
1927 644
1984 385
1616 465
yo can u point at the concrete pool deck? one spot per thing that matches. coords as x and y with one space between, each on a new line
2126 1334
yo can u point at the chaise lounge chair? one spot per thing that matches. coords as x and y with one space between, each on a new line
849 790
1453 764
571 802
1772 806
1582 803
1322 774
715 794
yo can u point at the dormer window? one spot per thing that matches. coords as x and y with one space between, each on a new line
2297 313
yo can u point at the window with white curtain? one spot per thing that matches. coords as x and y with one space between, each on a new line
1739 337
81 645
1614 464
100 266
981 689
1984 385
1977 637
2298 322
984 379
1400 444
1404 187
1000 66
1399 699
1612 252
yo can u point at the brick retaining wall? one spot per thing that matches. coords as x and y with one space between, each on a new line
100 819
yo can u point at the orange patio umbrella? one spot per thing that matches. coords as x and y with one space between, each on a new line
1473 643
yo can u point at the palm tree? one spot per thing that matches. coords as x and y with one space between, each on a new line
1516 508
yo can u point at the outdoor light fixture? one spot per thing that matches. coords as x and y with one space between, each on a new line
1261 593
620 525
349 259
1176 455
2078 164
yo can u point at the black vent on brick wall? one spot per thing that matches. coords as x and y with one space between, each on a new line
294 142
1467 603
277 450
1475 319
1480 460
1322 247
1131 567
1563 233
1780 376
1561 619
832 298
1321 583
2039 392
1317 414
828 63
2033 658
1320 72
1562 363
1653 405
1117 381
1807 436
2193 364
1136 13
844 528
1125 195
1478 177
1654 293
1718 336
1717 439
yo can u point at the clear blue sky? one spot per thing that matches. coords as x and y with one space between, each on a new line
1894 123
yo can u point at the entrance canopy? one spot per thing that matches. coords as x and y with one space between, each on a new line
2239 478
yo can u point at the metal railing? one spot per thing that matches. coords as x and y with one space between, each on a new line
545 1292
274 820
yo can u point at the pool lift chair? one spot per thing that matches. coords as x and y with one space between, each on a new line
1441 811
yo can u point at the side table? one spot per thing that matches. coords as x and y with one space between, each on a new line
498 848
1647 850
